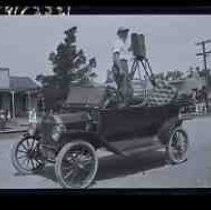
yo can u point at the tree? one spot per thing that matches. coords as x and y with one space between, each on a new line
178 75
198 71
169 75
190 72
159 76
202 73
66 63
174 75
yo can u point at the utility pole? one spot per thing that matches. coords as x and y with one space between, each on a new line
204 54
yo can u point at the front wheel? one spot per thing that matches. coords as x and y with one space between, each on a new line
177 146
26 156
76 165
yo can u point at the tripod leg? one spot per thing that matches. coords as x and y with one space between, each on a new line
145 68
149 66
139 72
133 69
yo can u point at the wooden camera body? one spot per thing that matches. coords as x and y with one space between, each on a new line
138 45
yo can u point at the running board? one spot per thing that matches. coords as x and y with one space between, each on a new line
154 147
127 147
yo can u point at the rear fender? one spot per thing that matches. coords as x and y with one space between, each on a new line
167 128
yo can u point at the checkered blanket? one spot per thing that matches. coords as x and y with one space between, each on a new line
163 93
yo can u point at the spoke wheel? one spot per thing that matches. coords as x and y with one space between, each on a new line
76 165
26 157
178 146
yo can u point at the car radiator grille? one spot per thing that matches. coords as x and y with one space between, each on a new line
46 132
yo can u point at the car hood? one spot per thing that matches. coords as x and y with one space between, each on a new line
64 118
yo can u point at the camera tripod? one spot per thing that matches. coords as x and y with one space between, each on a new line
146 66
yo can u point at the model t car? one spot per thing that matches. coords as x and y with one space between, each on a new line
71 138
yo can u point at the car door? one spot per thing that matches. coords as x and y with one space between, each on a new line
117 124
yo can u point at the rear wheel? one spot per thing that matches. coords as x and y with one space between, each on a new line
76 165
177 146
26 156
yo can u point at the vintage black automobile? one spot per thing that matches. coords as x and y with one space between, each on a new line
88 123
71 139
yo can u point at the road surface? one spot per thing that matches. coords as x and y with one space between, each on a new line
148 170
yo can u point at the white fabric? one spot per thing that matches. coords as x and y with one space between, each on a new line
111 84
110 80
32 116
121 48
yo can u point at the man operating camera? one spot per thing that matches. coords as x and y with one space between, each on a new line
120 66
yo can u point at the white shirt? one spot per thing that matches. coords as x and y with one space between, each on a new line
32 116
110 80
121 48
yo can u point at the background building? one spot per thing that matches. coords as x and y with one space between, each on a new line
17 94
186 86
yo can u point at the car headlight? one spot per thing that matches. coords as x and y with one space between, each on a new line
58 128
56 132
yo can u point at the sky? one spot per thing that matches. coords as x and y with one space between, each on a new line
26 41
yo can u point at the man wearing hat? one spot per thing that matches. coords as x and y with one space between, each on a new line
120 66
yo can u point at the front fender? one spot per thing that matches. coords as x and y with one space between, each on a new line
90 137
28 135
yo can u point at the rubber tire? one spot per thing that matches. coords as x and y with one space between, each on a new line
170 158
17 166
60 156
